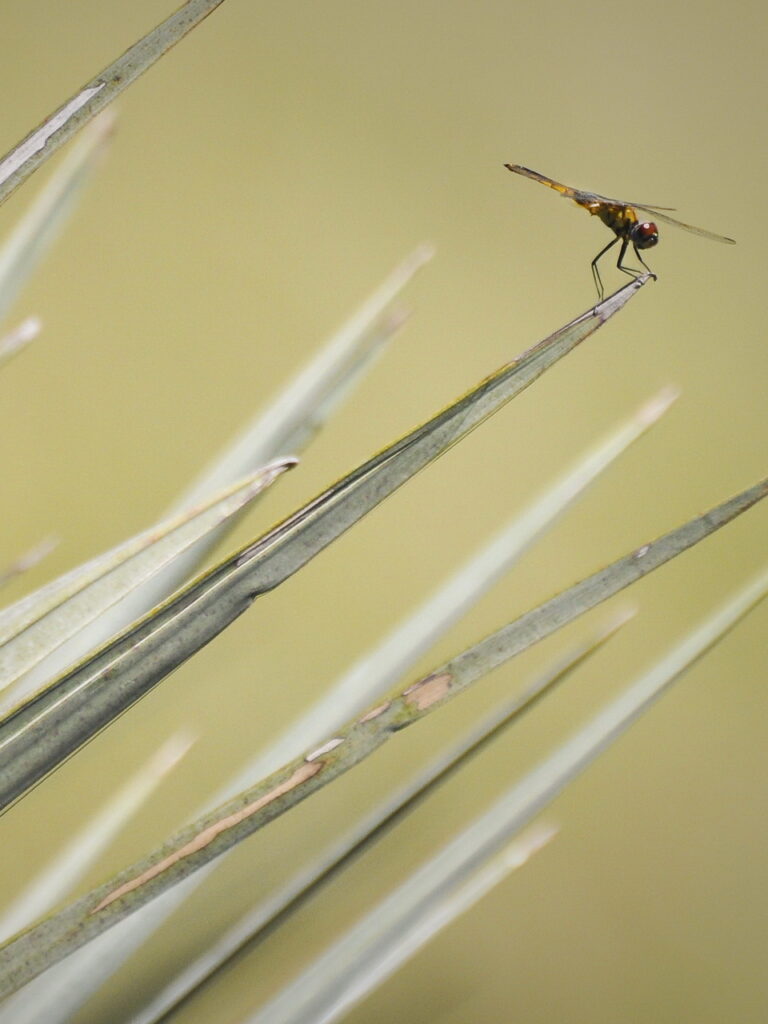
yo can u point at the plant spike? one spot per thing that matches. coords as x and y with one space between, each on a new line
17 165
25 957
51 726
323 867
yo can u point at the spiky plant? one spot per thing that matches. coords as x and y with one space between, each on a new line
82 650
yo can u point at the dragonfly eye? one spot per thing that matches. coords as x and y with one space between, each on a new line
645 235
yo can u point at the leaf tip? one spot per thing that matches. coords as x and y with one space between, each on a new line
423 254
621 618
605 309
654 409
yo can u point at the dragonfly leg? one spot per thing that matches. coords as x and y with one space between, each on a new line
631 270
596 273
643 262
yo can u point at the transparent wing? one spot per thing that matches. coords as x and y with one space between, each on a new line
686 227
564 190
578 194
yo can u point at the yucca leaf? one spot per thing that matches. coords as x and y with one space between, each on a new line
61 125
288 425
376 671
370 950
37 229
69 865
366 680
325 866
307 401
61 991
17 339
53 725
48 624
28 560
206 839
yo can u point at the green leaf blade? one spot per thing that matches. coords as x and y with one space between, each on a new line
33 150
52 726
202 842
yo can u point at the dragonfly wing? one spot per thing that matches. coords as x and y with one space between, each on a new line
652 209
582 197
686 227
526 172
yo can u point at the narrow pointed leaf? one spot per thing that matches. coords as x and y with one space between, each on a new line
37 229
314 393
17 339
51 727
288 425
327 865
61 125
69 865
201 842
352 966
28 560
128 567
375 672
391 934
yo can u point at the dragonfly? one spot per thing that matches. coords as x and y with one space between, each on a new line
622 218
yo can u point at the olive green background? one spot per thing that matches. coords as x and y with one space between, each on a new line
265 176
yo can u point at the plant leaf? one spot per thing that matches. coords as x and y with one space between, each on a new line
69 865
197 844
43 141
400 924
37 229
389 936
304 405
52 726
376 671
28 560
263 919
17 339
370 677
288 425
49 624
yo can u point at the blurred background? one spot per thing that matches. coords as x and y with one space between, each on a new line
265 176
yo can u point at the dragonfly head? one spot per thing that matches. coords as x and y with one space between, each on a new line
645 235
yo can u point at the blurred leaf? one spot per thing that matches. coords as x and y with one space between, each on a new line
401 923
326 865
119 572
69 865
288 425
308 400
391 934
197 844
17 339
376 671
37 229
43 141
51 727
28 560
